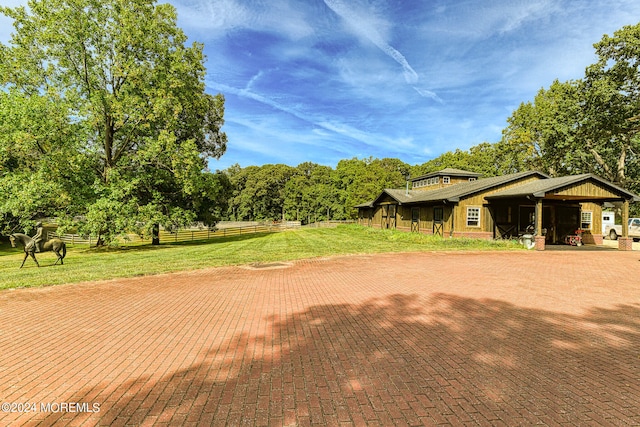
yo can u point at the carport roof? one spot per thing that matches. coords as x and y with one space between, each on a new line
542 188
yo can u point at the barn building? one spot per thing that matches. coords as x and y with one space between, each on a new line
454 203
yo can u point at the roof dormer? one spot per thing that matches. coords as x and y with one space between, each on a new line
442 178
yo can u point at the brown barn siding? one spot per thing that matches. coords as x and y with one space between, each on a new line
593 236
479 200
587 189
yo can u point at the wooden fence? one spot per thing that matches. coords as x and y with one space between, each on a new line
328 224
181 235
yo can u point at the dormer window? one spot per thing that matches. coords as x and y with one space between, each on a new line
435 180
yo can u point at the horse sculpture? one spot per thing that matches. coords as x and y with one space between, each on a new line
55 245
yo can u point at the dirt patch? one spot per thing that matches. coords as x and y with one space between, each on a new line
267 265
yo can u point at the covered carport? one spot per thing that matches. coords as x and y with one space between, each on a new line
554 202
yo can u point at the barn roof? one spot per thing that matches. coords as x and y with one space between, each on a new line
540 188
454 192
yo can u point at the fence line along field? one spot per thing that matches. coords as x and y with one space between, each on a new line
183 235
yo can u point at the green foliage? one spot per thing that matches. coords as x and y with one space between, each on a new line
361 180
484 158
105 102
310 194
587 125
543 135
258 192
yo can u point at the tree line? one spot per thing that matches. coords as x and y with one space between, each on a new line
311 192
105 124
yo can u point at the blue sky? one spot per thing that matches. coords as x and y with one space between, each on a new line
325 80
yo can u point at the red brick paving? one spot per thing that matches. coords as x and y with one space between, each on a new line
516 338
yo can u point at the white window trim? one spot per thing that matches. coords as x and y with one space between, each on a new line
446 180
474 208
590 221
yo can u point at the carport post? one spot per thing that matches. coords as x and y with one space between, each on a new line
539 238
625 243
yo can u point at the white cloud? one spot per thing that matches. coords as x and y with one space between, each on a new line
213 18
327 123
365 24
480 20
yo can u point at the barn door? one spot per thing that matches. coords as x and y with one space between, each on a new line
438 221
385 216
415 219
392 216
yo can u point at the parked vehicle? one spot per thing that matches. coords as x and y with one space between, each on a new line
614 231
608 219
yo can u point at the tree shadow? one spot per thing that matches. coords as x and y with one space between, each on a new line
404 359
145 247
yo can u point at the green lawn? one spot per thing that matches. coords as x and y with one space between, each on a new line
84 264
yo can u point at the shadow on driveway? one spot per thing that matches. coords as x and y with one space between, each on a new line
405 359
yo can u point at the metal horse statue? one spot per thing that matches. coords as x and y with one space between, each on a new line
55 245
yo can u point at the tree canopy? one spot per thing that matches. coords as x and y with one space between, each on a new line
586 125
104 114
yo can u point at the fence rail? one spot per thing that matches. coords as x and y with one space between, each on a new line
180 235
193 235
328 224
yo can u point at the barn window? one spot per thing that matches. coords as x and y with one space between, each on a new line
473 217
586 218
445 180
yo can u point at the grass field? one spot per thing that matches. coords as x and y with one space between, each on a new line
87 264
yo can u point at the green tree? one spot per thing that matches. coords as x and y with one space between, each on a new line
361 180
485 158
258 191
41 170
310 194
586 125
544 134
612 106
120 76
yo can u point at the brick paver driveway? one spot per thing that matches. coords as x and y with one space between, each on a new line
516 338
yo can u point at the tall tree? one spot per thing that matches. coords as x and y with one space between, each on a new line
259 191
544 134
586 125
123 78
612 104
310 194
360 180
